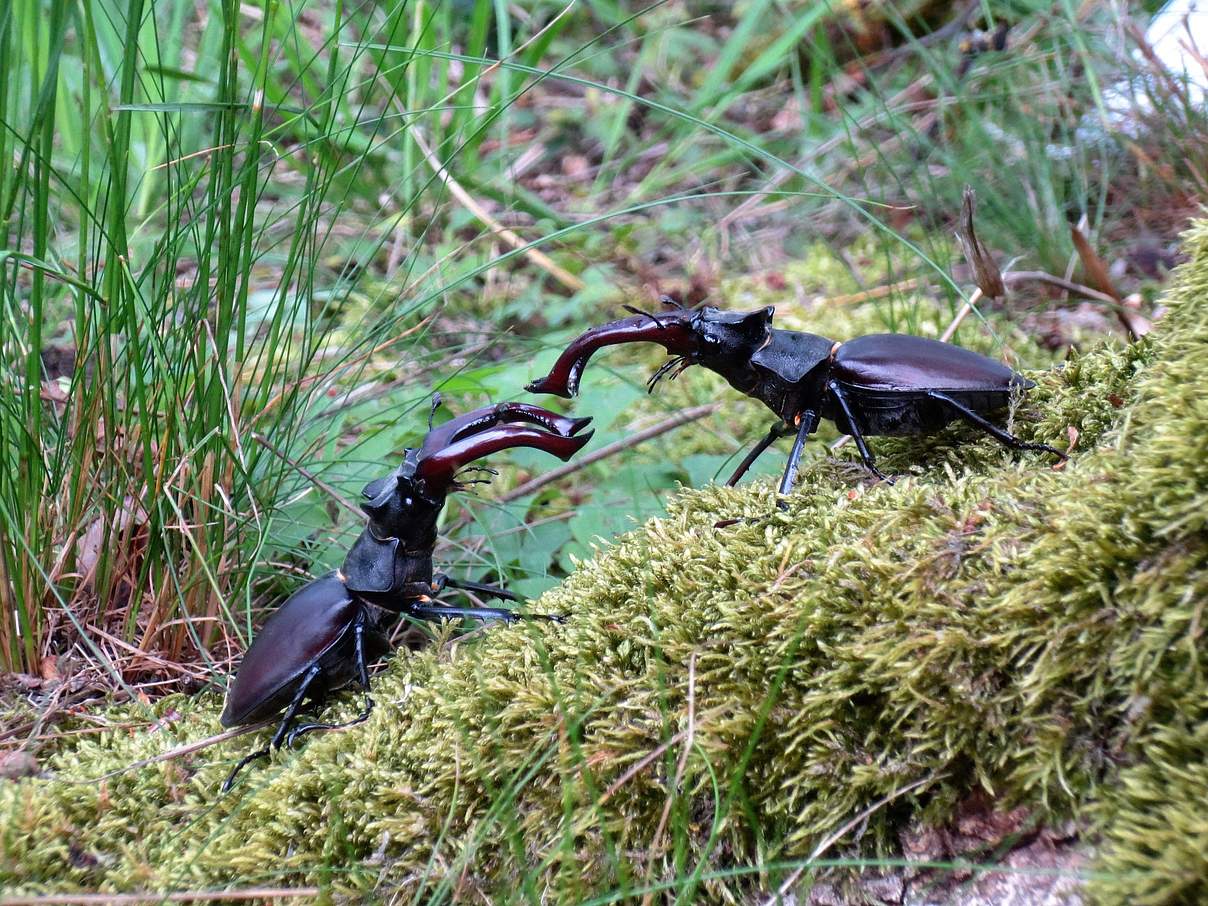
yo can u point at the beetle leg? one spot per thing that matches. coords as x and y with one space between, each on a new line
444 611
806 422
837 392
362 675
275 743
1004 437
778 430
490 591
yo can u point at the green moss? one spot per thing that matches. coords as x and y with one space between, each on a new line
986 622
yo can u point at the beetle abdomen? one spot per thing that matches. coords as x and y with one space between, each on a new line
903 363
310 622
903 413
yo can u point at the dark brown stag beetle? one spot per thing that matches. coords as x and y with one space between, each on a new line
882 384
325 635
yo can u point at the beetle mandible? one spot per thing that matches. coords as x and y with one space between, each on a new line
881 384
326 633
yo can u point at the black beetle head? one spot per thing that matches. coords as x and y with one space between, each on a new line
401 505
729 337
720 340
406 503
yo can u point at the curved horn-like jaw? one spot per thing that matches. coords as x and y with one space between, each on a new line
438 468
479 420
673 330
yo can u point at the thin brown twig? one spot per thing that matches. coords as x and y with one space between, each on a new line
640 765
974 297
188 896
538 257
178 752
669 424
1070 286
308 474
835 837
142 654
876 292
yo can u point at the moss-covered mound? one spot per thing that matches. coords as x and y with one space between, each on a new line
729 697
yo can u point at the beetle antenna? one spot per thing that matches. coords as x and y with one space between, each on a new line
681 361
432 411
670 302
486 469
645 314
457 485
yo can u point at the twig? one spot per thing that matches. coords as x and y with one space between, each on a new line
189 896
877 292
641 764
539 258
680 418
974 297
650 756
308 474
835 837
1078 289
178 752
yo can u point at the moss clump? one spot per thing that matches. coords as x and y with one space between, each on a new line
986 623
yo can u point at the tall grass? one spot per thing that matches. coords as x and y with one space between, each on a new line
178 177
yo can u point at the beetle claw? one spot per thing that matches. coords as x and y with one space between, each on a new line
1045 448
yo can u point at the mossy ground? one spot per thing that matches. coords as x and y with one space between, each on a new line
987 622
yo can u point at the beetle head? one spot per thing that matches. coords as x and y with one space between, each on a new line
406 503
728 338
720 340
401 505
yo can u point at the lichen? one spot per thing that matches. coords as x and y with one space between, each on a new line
987 622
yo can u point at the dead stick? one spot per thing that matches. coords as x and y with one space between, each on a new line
1069 286
961 315
834 838
308 475
189 896
539 258
680 418
178 752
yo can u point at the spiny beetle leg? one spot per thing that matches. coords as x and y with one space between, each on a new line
444 611
282 729
806 422
243 762
362 676
306 728
853 429
777 431
1006 438
487 591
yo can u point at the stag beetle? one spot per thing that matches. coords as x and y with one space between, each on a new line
327 632
882 384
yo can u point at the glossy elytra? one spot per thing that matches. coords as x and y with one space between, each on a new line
327 633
